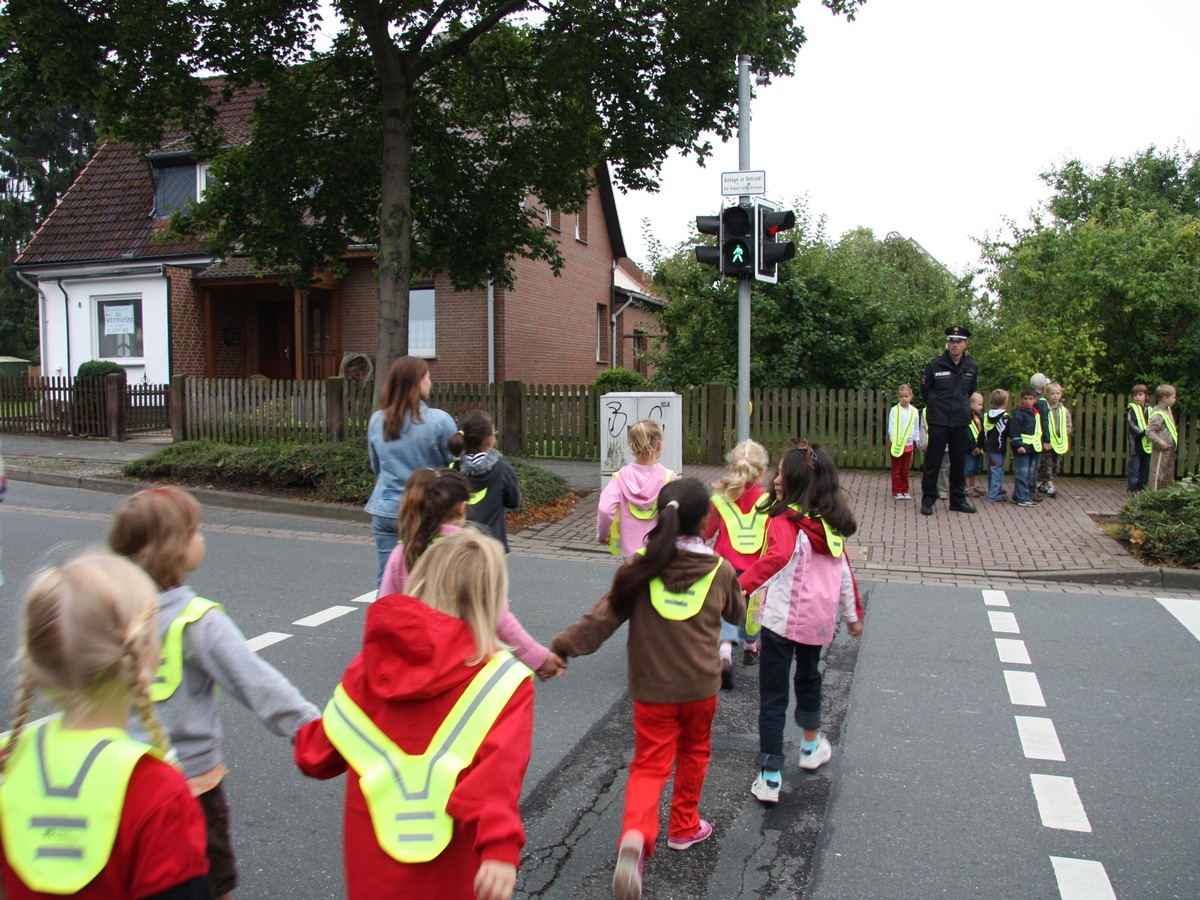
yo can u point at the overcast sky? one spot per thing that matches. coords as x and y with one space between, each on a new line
934 118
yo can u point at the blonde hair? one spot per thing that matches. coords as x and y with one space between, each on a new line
89 636
154 528
644 438
904 387
748 463
999 398
464 575
1163 391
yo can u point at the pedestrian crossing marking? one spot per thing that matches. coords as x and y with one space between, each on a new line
1023 688
1186 611
1081 879
325 615
1004 622
266 639
1039 740
995 598
1059 804
1012 651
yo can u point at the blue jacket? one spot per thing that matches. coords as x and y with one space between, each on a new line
1023 422
420 444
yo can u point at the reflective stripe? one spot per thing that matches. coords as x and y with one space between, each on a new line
1034 439
1139 413
900 439
407 794
1056 418
745 536
170 664
476 496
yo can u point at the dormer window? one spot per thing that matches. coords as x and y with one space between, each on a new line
178 184
204 178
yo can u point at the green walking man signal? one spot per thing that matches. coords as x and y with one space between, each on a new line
747 240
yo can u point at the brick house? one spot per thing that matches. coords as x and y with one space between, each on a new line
110 288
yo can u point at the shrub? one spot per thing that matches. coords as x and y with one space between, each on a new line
619 379
98 368
1163 527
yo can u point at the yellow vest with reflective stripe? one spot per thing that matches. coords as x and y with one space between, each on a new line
1139 413
476 496
900 439
614 530
680 605
1169 421
833 540
745 537
1034 439
170 664
1059 442
61 802
407 795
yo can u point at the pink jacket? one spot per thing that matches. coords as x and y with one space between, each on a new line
634 485
509 629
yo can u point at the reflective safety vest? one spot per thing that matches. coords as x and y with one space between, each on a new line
170 664
1034 439
1169 421
476 496
407 795
746 535
614 530
1139 413
974 429
1056 418
900 438
680 605
835 541
61 802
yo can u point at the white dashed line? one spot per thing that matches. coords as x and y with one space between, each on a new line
1039 739
368 597
266 639
1059 804
1004 622
1012 651
1081 879
325 615
1023 688
995 598
1186 611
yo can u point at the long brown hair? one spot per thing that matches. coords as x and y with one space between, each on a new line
154 528
811 484
401 394
430 495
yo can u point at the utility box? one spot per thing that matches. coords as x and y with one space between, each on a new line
618 411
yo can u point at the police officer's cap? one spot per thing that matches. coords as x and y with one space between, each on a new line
957 333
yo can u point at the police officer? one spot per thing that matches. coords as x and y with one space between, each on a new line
946 387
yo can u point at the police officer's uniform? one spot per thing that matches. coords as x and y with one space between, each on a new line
946 388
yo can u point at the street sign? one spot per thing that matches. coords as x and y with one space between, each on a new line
739 184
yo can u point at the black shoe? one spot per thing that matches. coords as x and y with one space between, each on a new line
726 674
926 509
964 507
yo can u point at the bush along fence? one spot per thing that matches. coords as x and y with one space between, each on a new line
86 407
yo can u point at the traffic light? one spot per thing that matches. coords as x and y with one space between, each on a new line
706 253
770 221
737 240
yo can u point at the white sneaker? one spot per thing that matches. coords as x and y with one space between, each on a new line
818 757
766 791
906 496
897 496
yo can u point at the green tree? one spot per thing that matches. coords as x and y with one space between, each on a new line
425 125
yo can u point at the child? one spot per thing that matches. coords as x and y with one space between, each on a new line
1041 406
438 740
626 511
1025 438
89 640
1164 438
674 594
1137 472
435 504
1059 419
808 581
974 463
904 432
995 439
739 527
494 485
203 652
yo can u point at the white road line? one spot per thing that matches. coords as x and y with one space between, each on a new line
1012 651
1023 688
995 598
1058 803
1186 611
325 615
1039 739
1081 879
266 639
1004 622
368 597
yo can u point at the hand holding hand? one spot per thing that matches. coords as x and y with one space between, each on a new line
495 880
553 667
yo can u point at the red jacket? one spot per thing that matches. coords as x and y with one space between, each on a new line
407 678
716 525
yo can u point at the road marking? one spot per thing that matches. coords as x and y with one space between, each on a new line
1039 739
1023 688
368 597
995 598
325 615
1012 651
266 639
1186 611
1059 804
1005 622
1081 879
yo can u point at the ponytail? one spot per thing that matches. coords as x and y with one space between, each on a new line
474 428
430 495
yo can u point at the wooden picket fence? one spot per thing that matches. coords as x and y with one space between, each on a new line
57 405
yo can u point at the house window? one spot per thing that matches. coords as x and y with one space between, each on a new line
639 351
601 321
119 328
422 322
581 226
204 179
174 188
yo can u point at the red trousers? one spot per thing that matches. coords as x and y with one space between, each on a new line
664 733
900 467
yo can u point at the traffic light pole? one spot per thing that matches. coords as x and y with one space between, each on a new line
745 278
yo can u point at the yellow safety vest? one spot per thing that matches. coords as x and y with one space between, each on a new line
1059 442
61 801
1139 413
900 440
974 430
170 664
680 605
614 530
476 496
1169 420
833 540
745 536
407 795
1034 440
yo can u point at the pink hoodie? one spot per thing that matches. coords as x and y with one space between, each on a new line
633 485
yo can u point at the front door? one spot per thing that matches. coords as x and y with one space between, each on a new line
276 339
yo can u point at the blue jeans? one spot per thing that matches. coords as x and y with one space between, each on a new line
387 534
974 465
774 666
995 463
1025 472
1138 470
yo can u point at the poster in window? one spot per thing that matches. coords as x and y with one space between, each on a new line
118 319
